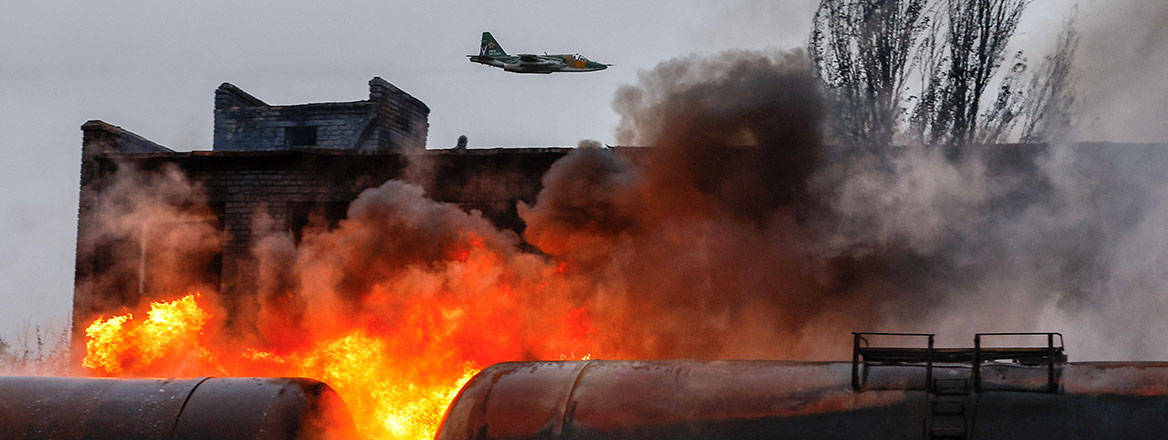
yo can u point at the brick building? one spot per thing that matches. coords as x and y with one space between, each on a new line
291 163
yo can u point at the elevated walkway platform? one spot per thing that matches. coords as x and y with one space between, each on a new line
865 354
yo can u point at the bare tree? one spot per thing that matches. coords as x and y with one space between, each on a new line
1033 105
930 60
32 354
862 51
1003 114
1046 111
865 50
975 40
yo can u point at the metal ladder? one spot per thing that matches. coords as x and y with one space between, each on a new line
950 409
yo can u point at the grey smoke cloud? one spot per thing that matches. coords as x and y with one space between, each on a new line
153 235
1121 69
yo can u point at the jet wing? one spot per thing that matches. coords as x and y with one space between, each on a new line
537 60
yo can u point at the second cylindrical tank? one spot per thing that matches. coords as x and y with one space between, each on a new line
806 400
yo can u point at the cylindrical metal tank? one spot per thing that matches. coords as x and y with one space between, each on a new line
61 408
806 400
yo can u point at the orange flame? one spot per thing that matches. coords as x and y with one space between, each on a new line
104 345
388 403
387 398
171 331
397 365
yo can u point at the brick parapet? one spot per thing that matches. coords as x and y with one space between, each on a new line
98 137
228 95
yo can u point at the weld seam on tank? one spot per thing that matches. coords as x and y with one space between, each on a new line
97 401
183 407
480 408
562 416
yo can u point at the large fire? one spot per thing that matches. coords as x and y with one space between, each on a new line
397 364
391 394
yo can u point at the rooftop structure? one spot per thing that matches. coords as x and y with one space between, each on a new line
390 120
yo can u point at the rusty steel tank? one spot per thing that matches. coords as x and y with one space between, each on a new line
883 393
61 408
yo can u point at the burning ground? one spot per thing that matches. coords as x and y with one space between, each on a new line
741 234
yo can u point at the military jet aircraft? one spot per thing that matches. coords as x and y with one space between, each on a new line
491 54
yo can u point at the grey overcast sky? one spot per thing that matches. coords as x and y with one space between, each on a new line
151 67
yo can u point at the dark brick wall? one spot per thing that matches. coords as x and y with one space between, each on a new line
290 185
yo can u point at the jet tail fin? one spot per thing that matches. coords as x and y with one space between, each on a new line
490 47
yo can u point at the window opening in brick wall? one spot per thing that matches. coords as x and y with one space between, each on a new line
300 136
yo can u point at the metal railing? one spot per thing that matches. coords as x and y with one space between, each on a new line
1053 355
864 353
858 338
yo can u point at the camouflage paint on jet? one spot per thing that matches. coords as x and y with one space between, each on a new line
491 54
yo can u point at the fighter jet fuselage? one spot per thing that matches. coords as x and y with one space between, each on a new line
491 54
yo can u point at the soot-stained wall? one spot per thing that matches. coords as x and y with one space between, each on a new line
288 187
